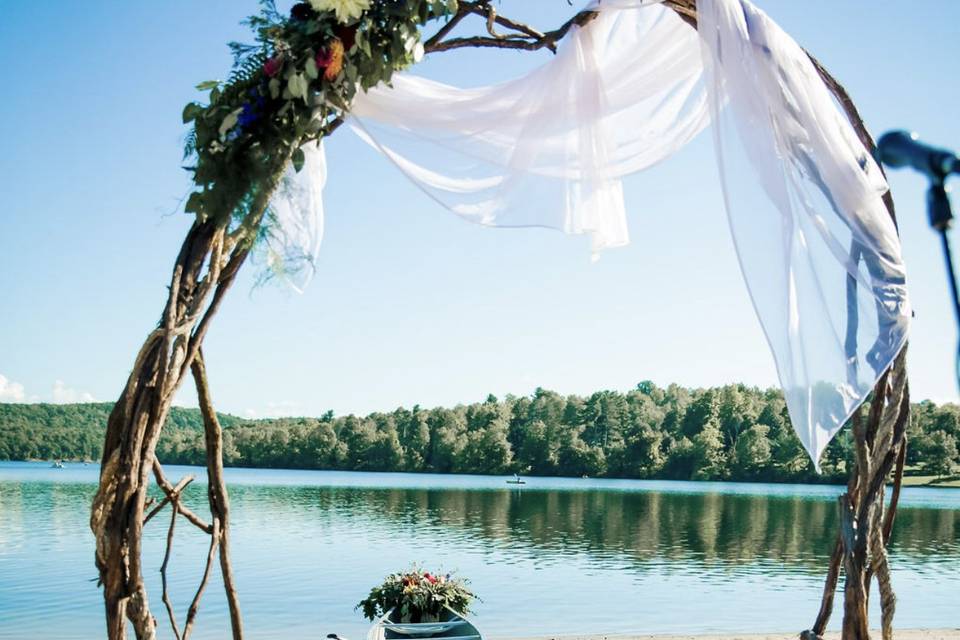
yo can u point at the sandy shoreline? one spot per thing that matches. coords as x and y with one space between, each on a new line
899 634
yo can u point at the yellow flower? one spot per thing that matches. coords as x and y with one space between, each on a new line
346 10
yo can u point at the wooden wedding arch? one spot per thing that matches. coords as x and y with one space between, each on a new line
212 253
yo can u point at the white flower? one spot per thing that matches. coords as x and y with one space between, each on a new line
346 10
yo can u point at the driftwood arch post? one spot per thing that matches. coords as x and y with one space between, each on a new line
211 255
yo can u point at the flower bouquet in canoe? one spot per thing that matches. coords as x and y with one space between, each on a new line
420 604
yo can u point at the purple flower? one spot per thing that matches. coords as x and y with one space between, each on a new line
248 117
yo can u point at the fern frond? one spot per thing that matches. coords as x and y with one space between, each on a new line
190 143
241 50
246 74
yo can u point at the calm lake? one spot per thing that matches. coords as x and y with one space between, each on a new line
560 556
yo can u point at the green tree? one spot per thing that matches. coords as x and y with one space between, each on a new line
939 453
708 457
360 437
576 457
752 453
386 453
487 449
447 438
539 450
703 410
681 459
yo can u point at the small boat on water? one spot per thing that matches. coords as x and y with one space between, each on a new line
516 480
56 465
451 626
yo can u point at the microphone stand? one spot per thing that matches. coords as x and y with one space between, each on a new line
902 149
940 215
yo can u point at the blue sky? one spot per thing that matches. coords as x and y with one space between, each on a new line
410 304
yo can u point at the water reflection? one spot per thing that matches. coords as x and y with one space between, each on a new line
556 560
641 527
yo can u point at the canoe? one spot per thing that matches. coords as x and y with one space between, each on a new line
516 482
451 626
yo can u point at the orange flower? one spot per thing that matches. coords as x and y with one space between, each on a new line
333 59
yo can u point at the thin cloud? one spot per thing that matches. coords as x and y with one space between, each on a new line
62 394
11 391
282 409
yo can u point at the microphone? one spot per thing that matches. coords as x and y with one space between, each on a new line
902 149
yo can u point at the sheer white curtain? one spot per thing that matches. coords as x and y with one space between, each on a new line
295 231
818 251
548 149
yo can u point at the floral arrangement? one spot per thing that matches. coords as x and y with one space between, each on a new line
417 596
292 86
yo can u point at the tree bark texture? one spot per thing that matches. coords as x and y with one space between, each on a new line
206 267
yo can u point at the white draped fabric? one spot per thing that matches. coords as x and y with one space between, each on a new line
296 228
548 149
818 251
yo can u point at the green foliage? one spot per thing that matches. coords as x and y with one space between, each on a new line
708 452
941 453
75 431
298 77
732 432
417 594
752 453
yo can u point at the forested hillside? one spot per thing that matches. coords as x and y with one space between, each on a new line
731 432
72 431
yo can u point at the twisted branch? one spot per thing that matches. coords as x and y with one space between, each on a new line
172 494
526 39
195 604
217 489
163 572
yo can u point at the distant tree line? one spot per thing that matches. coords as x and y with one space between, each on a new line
42 431
732 432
